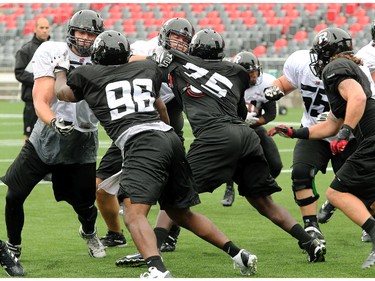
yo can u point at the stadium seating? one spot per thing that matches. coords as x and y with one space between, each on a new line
270 29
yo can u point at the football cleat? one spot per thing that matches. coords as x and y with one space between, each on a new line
246 262
15 249
153 272
96 248
365 237
9 261
134 260
113 239
314 232
228 198
370 261
326 212
315 250
170 242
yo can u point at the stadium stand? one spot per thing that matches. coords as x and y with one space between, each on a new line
272 30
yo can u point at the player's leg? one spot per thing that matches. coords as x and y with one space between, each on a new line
21 177
108 204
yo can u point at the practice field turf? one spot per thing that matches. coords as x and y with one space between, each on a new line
52 247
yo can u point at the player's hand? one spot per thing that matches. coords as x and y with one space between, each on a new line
273 93
338 145
281 130
62 127
322 117
165 59
251 118
61 62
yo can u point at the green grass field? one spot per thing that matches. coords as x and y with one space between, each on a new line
52 247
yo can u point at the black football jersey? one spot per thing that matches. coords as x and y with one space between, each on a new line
333 74
210 91
120 96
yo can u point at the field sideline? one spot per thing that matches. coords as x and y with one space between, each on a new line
52 247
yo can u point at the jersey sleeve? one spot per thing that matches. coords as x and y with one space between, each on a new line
76 82
294 66
43 58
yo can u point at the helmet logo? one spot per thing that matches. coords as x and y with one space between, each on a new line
323 38
97 42
237 59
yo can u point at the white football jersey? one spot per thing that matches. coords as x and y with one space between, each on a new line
148 48
255 94
79 113
297 72
367 53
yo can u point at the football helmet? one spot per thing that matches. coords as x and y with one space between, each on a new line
250 62
178 26
207 44
327 43
110 48
87 21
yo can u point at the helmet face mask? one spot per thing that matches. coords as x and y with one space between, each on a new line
326 44
180 27
110 48
250 62
208 45
84 21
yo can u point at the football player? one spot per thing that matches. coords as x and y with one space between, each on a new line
124 97
264 111
64 141
175 33
352 113
367 54
225 146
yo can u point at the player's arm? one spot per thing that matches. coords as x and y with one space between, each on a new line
269 114
43 94
353 93
135 58
162 109
63 91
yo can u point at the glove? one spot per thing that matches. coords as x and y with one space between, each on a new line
62 127
251 118
165 59
61 62
289 132
273 93
281 130
322 117
338 145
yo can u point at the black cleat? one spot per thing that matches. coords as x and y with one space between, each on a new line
134 260
315 250
326 212
9 261
170 242
113 239
228 198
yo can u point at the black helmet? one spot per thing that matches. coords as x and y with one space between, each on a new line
110 48
87 21
249 61
178 26
373 30
207 44
327 43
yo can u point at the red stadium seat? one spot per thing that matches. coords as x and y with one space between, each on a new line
350 8
363 20
331 15
152 34
249 21
360 13
281 42
355 27
319 27
260 51
311 7
300 35
339 21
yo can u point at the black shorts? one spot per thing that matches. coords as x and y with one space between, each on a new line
357 174
231 151
155 170
74 183
317 153
29 118
110 164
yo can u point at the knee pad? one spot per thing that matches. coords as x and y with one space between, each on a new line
303 178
